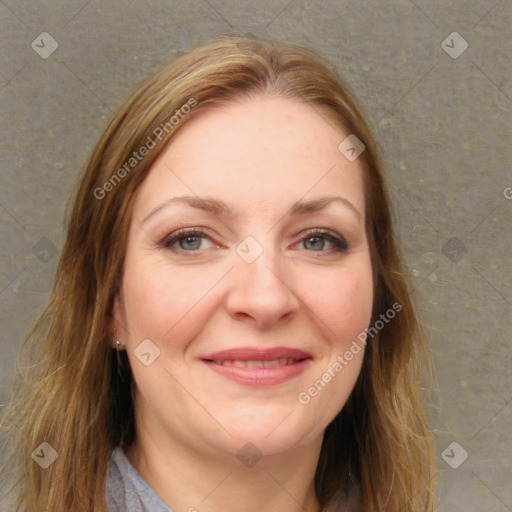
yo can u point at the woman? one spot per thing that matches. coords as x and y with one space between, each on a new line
230 326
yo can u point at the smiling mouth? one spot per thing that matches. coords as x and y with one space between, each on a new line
273 363
250 366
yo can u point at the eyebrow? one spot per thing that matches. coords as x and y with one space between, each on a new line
220 208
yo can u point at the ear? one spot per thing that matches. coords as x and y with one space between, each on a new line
118 323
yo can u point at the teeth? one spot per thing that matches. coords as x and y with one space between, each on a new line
254 364
284 361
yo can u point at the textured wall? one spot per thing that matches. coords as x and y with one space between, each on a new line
435 78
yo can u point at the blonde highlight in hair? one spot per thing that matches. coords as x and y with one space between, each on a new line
72 390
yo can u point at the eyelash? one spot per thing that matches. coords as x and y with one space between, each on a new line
339 243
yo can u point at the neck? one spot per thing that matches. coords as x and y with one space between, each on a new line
189 480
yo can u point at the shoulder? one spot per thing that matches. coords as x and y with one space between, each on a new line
126 491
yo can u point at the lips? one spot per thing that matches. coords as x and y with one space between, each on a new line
257 363
255 354
259 367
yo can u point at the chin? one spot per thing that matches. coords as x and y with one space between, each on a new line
270 433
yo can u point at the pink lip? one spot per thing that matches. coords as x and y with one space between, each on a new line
256 354
259 376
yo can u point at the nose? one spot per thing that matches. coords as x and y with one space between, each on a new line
262 292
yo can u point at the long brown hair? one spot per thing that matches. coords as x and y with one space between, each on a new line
73 391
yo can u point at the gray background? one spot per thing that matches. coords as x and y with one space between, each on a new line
443 124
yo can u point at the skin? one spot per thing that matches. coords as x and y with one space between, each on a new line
259 156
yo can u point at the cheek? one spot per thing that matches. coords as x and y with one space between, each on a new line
343 302
160 303
344 309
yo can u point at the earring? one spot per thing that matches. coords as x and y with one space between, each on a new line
118 344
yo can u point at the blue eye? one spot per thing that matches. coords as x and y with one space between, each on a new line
318 239
315 240
188 240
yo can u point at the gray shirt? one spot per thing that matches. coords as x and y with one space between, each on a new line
127 491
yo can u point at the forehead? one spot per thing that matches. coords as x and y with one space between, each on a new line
257 153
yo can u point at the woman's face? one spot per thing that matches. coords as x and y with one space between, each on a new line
234 309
